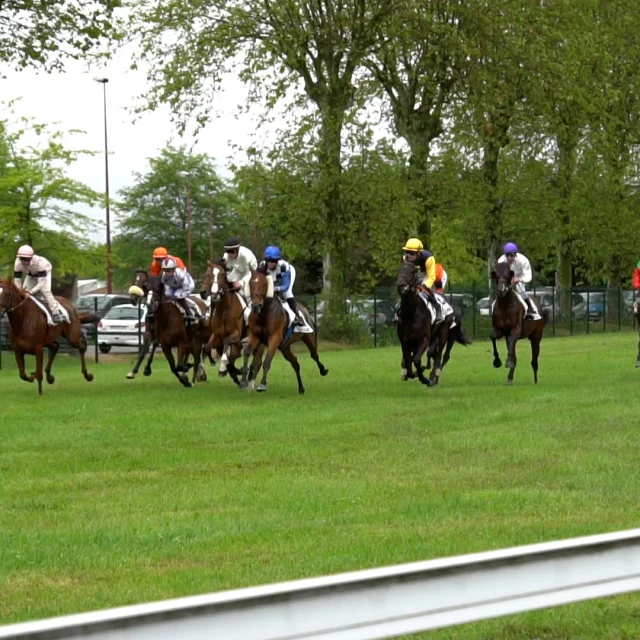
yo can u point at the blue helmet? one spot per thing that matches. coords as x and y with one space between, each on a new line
272 253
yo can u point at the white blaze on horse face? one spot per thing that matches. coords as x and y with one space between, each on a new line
214 285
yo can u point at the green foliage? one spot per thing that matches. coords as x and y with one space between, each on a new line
35 33
38 199
153 212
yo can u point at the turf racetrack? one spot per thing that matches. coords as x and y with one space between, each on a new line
120 492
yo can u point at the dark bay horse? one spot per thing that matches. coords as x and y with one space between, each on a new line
508 321
170 330
228 327
268 325
30 333
147 283
444 334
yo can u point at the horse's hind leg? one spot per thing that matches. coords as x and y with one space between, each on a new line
76 339
144 349
272 347
289 355
512 360
53 350
310 340
535 352
168 354
39 360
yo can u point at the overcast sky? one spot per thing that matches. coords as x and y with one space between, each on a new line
74 101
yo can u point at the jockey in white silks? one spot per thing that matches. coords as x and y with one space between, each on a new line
37 280
283 275
522 274
178 284
239 261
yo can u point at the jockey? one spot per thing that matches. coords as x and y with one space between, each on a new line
160 254
37 280
283 275
441 279
178 284
522 274
239 261
423 259
636 276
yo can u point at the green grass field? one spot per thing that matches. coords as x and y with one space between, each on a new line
120 492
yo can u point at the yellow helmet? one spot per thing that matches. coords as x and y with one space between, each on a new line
413 244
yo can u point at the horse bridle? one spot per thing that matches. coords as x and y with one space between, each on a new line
10 297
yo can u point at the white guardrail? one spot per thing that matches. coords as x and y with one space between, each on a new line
377 603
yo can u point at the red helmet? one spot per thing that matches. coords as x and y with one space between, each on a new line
160 252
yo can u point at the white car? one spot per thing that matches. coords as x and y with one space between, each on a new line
121 326
484 306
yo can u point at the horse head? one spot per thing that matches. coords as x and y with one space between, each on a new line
214 282
502 276
5 295
406 280
156 294
259 288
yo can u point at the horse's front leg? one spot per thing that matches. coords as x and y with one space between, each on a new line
144 349
272 347
252 345
512 361
407 362
417 357
168 354
495 334
19 354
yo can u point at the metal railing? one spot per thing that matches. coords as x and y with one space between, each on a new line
376 603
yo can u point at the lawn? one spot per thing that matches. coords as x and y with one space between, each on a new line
120 492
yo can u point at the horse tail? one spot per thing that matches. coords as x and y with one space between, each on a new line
545 317
89 318
462 338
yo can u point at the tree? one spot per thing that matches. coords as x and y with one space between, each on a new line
37 198
154 211
44 33
316 44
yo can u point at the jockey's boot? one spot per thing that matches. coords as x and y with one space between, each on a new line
298 321
436 306
56 316
188 317
531 312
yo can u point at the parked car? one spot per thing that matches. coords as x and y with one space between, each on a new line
593 306
548 303
120 327
484 306
99 303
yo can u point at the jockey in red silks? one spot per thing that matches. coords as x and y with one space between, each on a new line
636 276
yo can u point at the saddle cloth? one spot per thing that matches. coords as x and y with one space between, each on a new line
305 328
523 302
195 309
447 309
61 310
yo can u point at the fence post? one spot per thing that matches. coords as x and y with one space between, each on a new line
588 302
375 317
473 310
95 337
571 312
604 311
553 311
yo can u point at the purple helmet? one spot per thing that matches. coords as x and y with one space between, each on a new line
511 247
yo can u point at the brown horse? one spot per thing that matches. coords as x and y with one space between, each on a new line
30 333
228 327
268 326
171 331
445 335
146 282
508 321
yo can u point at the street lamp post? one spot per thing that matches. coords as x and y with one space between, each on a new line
103 82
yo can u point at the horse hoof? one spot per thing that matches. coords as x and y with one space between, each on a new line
186 383
324 372
497 363
50 379
222 374
509 382
638 364
131 375
88 377
243 385
202 377
301 391
403 377
146 372
262 387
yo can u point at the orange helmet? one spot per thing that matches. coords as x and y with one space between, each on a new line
160 252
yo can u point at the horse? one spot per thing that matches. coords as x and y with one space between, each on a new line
170 330
269 326
228 327
447 335
30 333
146 282
508 320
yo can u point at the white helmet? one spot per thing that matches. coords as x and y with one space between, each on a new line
169 263
25 251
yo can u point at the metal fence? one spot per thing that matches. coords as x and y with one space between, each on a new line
369 320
